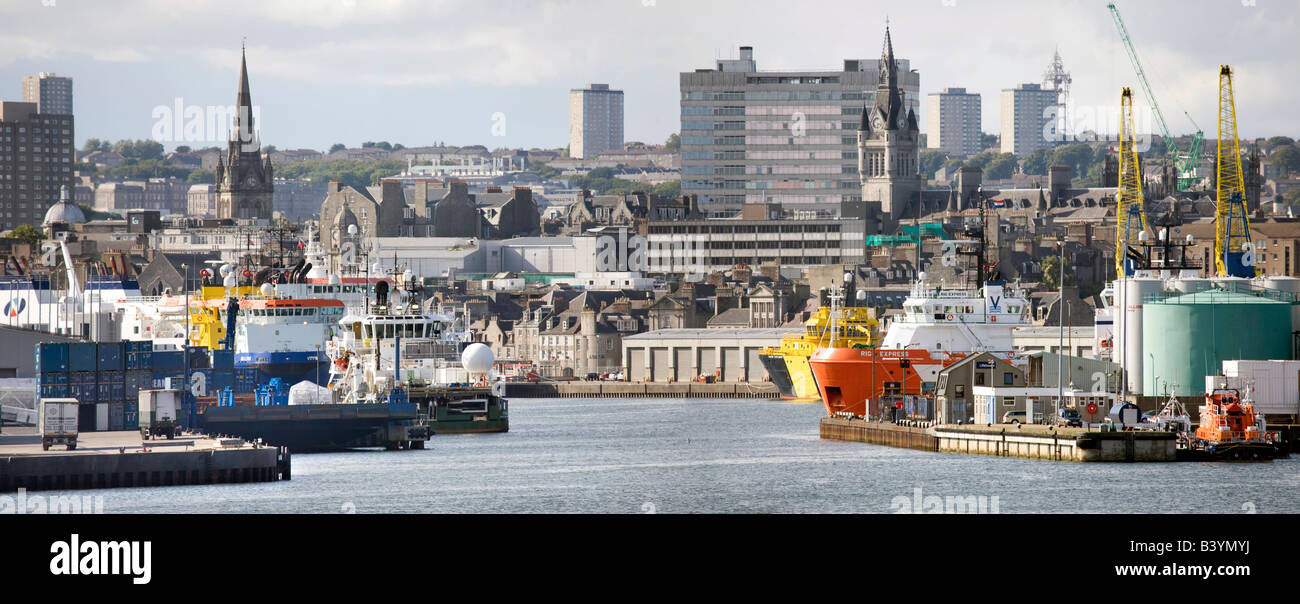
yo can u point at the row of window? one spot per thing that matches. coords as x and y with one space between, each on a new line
774 95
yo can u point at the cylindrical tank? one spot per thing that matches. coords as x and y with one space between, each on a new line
1130 328
1190 286
1289 290
1188 337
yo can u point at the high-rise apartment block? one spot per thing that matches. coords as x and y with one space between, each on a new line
37 156
51 93
1030 119
953 122
778 137
595 121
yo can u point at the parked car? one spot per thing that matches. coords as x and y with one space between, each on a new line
1069 417
1014 417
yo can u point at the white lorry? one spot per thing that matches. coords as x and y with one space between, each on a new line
58 422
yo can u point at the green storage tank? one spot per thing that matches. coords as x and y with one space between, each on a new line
1186 337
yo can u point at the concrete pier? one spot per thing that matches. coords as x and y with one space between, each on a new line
105 460
641 390
1058 445
878 433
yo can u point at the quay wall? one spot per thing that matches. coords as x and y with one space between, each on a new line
74 470
876 433
1087 447
640 390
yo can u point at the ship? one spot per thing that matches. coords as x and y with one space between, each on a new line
787 364
1230 428
427 357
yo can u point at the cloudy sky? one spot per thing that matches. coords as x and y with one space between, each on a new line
420 71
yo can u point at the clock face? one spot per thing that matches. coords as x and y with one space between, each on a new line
251 181
876 123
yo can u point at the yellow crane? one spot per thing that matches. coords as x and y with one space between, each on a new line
1130 216
1234 254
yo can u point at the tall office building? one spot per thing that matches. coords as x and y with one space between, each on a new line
779 137
595 120
953 122
36 159
51 93
1030 119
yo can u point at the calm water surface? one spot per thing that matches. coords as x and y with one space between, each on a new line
683 456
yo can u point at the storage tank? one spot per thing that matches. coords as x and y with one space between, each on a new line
1188 337
1130 327
1289 290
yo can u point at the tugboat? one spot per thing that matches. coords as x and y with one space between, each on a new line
1230 428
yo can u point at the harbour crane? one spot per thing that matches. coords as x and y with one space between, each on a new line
1130 215
1234 254
1184 162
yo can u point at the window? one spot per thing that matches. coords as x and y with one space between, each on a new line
979 379
1008 378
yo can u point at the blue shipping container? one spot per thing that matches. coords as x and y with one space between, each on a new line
83 356
52 378
130 420
110 356
52 357
132 406
223 359
168 360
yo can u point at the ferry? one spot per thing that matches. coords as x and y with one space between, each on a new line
939 326
787 364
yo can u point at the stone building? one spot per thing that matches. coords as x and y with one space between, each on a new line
244 179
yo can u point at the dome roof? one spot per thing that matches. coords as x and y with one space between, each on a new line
64 210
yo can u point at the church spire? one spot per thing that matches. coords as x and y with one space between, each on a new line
244 100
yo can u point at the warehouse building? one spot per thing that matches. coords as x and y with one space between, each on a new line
681 355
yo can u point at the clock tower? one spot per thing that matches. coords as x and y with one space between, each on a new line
889 146
244 179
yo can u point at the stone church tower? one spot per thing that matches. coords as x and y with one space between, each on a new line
244 179
889 147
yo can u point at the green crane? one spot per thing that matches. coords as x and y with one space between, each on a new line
1184 162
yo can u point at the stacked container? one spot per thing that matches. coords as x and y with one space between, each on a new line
52 370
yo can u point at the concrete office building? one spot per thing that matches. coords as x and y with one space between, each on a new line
1030 119
51 93
595 120
36 159
953 122
778 137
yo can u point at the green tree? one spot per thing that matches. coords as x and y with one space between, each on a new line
93 144
28 233
337 147
674 142
671 189
1079 157
1036 162
988 141
1292 197
1280 141
1001 167
1052 274
269 149
202 177
931 161
950 167
183 149
1285 159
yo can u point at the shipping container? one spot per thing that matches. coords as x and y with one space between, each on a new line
1276 383
110 356
223 360
54 391
52 357
168 360
137 346
83 356
199 358
116 416
130 420
52 378
101 417
85 417
132 406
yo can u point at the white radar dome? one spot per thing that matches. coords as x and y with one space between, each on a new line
267 289
477 358
230 281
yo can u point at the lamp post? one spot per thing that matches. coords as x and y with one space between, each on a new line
185 344
1060 347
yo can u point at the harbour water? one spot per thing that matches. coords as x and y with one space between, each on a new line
697 456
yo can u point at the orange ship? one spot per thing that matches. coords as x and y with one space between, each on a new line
1230 428
847 378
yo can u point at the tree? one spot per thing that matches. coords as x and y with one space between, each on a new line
183 149
94 144
28 233
1001 167
931 161
1079 157
950 167
988 141
201 177
269 149
674 142
1286 159
1292 196
337 147
1052 274
1280 141
1036 162
398 147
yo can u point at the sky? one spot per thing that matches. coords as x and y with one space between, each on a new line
498 73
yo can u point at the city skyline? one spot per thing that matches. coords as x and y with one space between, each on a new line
402 75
